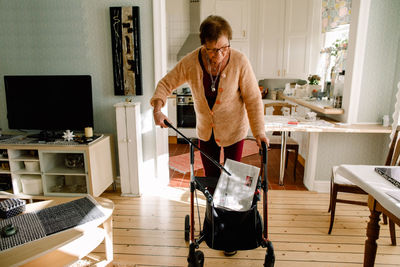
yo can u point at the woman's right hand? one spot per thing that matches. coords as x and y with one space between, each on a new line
159 118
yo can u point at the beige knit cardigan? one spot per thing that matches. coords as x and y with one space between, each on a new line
238 101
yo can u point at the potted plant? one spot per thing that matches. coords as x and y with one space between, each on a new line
314 79
313 86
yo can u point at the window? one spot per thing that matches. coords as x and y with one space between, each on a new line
334 52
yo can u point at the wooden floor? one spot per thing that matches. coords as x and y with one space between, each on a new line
148 231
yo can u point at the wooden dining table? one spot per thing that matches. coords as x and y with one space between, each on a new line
381 200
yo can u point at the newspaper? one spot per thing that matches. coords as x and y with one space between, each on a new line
236 192
390 174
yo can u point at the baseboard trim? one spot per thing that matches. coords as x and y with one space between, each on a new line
321 186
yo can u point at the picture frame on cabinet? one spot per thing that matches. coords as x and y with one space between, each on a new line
126 50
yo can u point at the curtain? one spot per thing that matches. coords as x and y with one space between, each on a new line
335 13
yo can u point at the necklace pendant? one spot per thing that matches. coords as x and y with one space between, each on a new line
213 88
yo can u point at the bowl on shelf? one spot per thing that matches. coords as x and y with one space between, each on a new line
318 94
74 161
32 166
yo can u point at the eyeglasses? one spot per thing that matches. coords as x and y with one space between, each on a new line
223 49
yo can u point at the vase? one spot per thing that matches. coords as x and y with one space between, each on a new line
312 87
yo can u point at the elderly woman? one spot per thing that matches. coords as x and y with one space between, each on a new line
225 94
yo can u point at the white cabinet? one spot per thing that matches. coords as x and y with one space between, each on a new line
171 107
285 40
61 170
236 12
129 135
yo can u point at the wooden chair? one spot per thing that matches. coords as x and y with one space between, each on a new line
341 184
275 139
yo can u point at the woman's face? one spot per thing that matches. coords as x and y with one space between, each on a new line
217 51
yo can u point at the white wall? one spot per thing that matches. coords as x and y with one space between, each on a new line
381 64
348 148
178 27
73 37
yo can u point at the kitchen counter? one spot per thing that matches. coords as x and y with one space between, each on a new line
324 125
321 106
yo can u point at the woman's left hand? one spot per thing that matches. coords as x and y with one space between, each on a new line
262 138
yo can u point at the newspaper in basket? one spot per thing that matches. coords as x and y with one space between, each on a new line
236 192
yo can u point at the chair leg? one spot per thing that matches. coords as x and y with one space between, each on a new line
384 217
330 195
392 232
296 155
287 158
333 207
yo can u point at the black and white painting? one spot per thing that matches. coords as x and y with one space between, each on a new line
125 36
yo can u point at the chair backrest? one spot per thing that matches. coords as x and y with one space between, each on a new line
394 150
278 107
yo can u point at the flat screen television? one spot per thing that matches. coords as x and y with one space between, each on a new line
49 102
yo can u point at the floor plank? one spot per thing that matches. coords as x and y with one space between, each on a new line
148 231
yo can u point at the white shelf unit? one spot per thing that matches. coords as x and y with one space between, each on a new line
61 180
17 159
129 133
5 173
93 177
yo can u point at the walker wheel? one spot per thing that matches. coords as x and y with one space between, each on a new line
198 259
187 227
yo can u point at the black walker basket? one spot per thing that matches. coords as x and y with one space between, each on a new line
232 230
225 229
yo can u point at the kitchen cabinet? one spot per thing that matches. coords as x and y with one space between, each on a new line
236 12
285 38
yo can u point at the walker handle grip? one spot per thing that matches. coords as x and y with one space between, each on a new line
264 151
167 123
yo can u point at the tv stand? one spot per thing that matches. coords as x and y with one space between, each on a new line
41 171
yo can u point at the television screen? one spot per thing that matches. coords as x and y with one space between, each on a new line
57 102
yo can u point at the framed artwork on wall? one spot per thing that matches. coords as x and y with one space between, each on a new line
125 38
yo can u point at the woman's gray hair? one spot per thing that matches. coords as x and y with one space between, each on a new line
213 27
